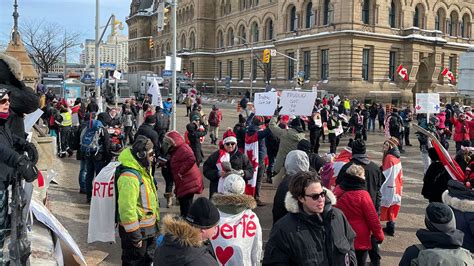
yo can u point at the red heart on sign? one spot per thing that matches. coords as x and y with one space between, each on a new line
224 255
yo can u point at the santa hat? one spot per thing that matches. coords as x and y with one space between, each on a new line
229 136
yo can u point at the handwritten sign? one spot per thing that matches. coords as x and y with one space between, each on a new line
265 103
427 103
297 102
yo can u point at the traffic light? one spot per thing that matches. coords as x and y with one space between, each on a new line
266 56
116 25
163 13
300 81
151 43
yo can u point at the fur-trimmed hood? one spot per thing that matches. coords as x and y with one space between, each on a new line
13 64
233 203
464 205
291 204
182 232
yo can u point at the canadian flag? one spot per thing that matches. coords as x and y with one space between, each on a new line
449 75
403 72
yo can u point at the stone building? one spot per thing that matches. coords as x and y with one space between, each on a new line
347 47
114 50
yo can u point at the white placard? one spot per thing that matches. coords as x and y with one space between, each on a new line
30 119
265 103
117 75
168 63
297 102
427 103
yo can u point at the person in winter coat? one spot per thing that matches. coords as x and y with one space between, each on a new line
313 232
355 202
188 101
65 128
296 162
461 131
407 118
186 174
272 143
315 126
239 130
215 119
185 240
436 178
110 118
235 209
289 139
440 237
127 122
217 167
315 161
147 130
194 135
137 203
332 124
162 124
372 116
168 107
391 189
461 200
92 107
394 124
381 117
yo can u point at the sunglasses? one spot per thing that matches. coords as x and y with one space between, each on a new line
4 101
230 144
317 196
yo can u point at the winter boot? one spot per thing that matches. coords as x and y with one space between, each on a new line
390 228
212 138
169 199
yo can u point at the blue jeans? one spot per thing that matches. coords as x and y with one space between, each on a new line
82 176
93 167
371 122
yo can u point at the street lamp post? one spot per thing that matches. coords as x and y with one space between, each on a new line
98 95
174 6
236 39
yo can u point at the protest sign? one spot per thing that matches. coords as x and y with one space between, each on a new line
297 102
265 103
427 103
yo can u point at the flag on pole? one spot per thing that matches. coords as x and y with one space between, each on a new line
447 73
155 93
251 150
403 72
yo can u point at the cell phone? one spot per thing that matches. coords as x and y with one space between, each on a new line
161 159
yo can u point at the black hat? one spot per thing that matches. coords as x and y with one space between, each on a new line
142 145
3 92
358 147
203 214
440 218
296 124
304 145
151 119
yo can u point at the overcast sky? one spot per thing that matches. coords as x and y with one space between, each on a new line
76 15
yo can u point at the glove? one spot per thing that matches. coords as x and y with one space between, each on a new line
277 111
27 169
32 152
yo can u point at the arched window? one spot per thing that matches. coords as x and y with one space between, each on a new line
183 41
228 7
392 17
293 21
366 12
192 41
269 29
222 8
255 32
327 12
466 26
309 15
453 27
230 37
220 39
440 20
242 34
163 51
168 49
419 17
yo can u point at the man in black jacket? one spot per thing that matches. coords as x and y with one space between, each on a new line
162 124
374 179
195 134
110 118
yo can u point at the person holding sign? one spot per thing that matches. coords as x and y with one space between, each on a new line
334 126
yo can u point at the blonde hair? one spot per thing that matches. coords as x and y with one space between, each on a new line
356 170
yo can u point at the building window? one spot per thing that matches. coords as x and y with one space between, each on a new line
324 64
453 24
293 18
366 12
291 66
254 69
309 15
192 41
230 37
452 64
419 17
327 12
392 15
242 34
365 64
241 69
269 29
220 39
465 26
219 70
255 32
229 69
391 65
307 64
191 67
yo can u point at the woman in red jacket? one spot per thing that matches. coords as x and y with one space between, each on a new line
186 174
355 202
461 131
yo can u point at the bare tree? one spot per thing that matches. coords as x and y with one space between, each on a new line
45 42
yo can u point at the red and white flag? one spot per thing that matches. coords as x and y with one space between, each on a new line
403 72
447 73
449 164
251 150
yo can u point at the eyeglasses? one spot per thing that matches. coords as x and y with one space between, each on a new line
230 144
317 196
4 101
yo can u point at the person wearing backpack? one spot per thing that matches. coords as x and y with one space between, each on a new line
95 149
215 118
137 203
440 242
395 127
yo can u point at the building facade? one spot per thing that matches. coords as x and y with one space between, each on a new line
114 50
350 48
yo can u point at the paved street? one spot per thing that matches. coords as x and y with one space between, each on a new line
71 209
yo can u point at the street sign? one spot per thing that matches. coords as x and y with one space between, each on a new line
273 52
107 65
427 103
168 63
167 73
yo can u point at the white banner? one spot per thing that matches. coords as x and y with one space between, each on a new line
168 63
155 93
265 103
297 102
427 103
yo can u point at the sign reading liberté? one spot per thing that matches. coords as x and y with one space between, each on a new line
427 103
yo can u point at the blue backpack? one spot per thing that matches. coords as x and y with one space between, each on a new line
90 137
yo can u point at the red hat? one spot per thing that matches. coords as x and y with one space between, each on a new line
285 119
229 136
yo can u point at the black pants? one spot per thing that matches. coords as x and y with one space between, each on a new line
65 132
132 255
188 110
260 172
407 136
184 204
381 125
361 256
334 142
314 137
128 135
374 253
364 133
168 176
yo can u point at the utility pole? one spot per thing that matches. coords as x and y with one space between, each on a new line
174 6
98 95
63 94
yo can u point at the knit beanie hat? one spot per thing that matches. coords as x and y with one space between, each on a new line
304 145
3 92
229 137
234 184
440 218
203 214
358 147
151 119
393 142
195 118
142 144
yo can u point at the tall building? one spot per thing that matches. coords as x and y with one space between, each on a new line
114 50
350 48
